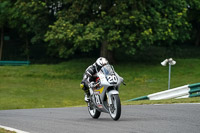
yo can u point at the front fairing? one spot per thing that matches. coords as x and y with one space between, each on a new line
109 77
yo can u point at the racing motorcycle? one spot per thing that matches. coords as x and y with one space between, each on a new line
104 95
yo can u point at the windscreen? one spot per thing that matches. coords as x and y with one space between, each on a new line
107 70
110 74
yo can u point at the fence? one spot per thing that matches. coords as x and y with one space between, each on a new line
192 90
14 63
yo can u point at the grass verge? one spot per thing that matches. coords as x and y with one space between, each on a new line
57 85
5 131
168 101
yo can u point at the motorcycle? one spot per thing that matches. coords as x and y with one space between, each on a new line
104 96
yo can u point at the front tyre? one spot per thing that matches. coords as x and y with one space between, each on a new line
115 107
93 111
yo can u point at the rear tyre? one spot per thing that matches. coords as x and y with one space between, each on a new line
93 112
115 107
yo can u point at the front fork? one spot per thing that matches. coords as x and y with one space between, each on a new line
91 103
109 96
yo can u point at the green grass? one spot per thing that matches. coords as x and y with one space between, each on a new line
168 101
57 85
5 131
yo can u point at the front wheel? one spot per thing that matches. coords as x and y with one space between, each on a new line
93 111
115 107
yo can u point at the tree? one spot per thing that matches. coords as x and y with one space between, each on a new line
109 25
4 13
31 19
194 19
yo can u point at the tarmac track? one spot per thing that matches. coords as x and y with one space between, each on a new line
174 118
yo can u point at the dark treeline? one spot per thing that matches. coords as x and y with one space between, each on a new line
62 29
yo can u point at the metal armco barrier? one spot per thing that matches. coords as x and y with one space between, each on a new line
192 90
14 63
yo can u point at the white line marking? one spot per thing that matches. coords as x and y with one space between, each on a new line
12 129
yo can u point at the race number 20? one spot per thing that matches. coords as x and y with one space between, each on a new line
112 78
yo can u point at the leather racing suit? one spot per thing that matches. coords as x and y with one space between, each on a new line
88 77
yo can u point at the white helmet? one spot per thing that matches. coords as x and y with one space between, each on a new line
100 62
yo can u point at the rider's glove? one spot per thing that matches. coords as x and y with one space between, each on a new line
92 85
81 85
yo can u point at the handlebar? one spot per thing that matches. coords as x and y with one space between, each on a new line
124 83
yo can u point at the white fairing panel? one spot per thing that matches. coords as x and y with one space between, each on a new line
112 92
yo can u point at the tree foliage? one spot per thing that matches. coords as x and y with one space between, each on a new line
30 18
85 24
68 26
4 13
194 19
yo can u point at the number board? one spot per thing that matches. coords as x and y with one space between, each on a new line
112 79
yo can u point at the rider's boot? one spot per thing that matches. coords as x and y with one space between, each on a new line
87 95
86 98
86 90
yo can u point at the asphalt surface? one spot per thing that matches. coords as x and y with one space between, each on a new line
175 118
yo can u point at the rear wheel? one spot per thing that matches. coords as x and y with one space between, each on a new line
93 111
115 107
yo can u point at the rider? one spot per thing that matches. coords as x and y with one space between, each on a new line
89 76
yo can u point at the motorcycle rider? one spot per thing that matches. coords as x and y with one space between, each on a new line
89 76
